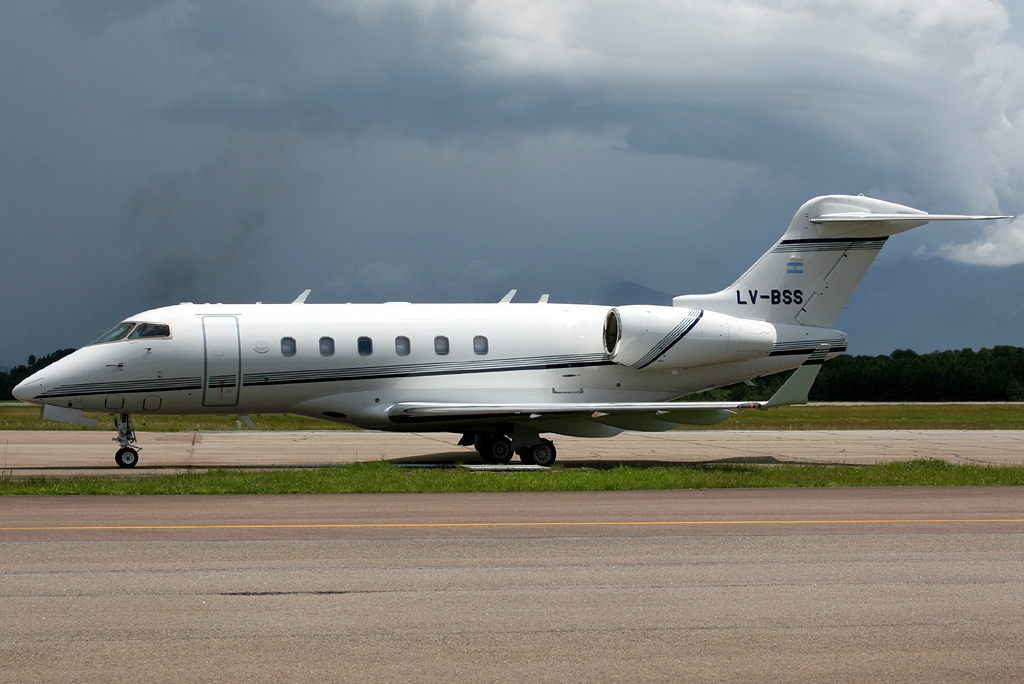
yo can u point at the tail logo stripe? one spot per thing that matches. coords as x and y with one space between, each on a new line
828 245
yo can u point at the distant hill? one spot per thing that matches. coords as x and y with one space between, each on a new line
622 292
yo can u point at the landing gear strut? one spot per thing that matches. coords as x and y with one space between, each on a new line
126 456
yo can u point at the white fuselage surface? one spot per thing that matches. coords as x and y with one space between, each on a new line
351 362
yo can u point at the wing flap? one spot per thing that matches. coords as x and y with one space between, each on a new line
426 412
666 419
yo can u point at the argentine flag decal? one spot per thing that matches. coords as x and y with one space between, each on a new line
794 267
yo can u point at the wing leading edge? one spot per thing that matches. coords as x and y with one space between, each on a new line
628 415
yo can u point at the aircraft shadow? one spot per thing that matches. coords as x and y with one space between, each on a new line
451 459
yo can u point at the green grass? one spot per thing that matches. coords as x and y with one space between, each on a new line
383 477
820 417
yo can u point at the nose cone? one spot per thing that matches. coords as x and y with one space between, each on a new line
28 388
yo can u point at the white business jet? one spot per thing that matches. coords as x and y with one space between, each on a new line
500 374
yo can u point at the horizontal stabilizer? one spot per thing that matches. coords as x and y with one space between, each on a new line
867 217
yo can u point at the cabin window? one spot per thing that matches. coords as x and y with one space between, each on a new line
326 346
441 345
287 346
402 347
480 344
118 332
150 330
365 346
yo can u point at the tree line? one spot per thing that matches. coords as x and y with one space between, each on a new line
995 374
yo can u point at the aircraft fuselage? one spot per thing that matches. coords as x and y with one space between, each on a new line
350 362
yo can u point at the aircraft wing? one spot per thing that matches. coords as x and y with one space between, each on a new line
426 412
628 415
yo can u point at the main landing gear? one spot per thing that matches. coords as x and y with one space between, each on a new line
126 456
542 454
498 449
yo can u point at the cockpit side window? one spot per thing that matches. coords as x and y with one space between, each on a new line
118 332
150 330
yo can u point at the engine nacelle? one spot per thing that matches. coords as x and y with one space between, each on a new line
669 337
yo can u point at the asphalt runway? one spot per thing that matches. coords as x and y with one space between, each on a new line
895 584
62 453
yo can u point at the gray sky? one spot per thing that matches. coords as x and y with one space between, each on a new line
165 151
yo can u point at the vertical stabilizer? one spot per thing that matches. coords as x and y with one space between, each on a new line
808 276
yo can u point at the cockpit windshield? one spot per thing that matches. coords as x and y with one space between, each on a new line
138 331
150 330
118 332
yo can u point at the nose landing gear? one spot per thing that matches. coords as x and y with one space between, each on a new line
127 456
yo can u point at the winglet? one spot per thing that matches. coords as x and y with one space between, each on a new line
301 299
795 390
508 298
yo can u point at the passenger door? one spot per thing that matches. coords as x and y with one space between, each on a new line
222 369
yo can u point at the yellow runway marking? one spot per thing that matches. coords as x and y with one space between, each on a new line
320 526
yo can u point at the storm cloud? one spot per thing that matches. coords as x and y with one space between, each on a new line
163 151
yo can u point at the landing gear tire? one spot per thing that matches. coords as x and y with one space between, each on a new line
542 454
496 449
526 456
126 457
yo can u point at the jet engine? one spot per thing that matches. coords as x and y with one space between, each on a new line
668 337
